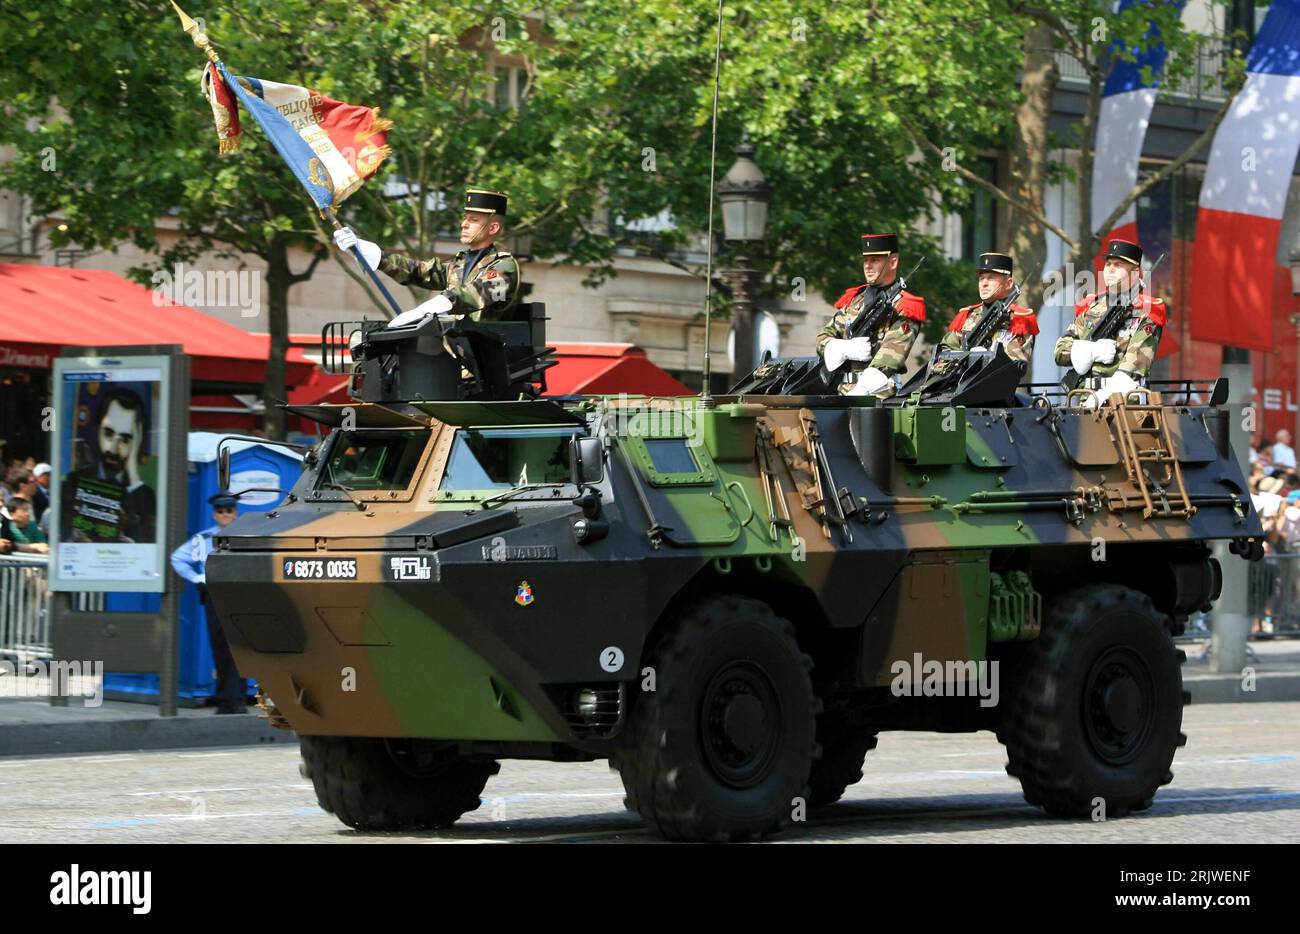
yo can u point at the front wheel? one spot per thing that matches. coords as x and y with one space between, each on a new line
723 748
1097 710
382 784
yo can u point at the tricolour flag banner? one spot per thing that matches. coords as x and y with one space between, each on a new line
1127 100
1244 195
332 147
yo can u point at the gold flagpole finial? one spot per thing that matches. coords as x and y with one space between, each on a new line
198 35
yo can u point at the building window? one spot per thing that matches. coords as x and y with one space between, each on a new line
508 92
979 222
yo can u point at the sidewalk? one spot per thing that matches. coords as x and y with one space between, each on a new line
30 726
1275 664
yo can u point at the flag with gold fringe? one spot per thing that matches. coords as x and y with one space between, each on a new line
331 147
342 145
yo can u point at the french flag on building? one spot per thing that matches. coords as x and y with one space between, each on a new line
332 147
1244 195
1127 100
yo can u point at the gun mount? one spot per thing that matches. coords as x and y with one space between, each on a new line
441 357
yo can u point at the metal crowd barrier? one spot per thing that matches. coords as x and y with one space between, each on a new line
25 607
1274 594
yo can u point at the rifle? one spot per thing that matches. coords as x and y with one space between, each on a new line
872 316
1111 321
995 319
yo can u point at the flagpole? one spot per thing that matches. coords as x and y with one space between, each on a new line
361 261
201 40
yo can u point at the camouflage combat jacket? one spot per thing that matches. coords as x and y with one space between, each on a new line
892 340
487 294
1135 344
1018 339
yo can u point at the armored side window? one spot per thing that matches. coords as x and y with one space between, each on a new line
670 461
671 455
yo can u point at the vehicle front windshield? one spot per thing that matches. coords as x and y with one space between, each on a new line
373 460
507 458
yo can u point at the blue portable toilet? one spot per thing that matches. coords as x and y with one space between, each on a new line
252 465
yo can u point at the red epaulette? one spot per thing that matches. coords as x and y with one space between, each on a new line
1155 309
911 306
848 296
1085 303
959 321
1024 323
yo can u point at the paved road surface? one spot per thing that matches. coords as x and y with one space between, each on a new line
1237 780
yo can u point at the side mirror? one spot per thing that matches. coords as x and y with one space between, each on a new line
586 461
223 467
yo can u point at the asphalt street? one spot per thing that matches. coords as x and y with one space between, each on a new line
1236 781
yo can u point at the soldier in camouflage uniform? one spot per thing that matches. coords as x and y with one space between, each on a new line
873 360
995 280
481 281
1121 364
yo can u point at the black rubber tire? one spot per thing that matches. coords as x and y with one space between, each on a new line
843 751
1063 743
359 780
679 788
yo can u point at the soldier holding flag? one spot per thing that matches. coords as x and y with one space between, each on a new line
481 281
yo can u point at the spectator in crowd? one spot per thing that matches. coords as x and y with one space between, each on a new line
1266 494
23 529
41 496
20 482
6 535
1283 454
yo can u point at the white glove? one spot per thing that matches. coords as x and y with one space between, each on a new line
837 351
1082 354
979 350
871 381
345 238
438 305
1119 382
1103 351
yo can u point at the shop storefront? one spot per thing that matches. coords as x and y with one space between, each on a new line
45 308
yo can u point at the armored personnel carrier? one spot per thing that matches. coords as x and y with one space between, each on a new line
727 598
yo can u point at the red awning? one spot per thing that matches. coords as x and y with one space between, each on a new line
46 308
608 369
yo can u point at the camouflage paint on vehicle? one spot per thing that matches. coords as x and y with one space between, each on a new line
879 531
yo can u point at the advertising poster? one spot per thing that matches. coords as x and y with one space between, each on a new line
110 438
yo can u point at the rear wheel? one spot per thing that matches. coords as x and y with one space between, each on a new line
382 784
1096 713
722 749
843 750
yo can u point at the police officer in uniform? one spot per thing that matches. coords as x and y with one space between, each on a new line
1120 364
189 561
875 359
995 281
481 281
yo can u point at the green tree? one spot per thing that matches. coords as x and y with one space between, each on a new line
1095 37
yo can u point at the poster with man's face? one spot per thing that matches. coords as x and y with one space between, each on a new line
110 424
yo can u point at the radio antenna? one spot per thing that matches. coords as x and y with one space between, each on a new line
706 397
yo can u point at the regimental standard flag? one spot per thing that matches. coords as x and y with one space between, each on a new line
1127 100
1243 198
332 147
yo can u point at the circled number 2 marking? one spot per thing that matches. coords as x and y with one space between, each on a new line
611 658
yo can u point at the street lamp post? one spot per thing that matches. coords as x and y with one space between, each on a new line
745 194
